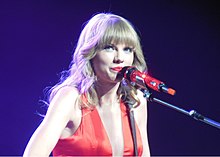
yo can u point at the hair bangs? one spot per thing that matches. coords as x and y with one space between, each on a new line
118 32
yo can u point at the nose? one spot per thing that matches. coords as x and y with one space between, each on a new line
118 57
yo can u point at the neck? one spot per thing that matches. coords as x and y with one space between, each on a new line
107 93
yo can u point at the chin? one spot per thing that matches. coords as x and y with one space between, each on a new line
114 78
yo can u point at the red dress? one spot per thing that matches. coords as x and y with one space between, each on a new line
91 139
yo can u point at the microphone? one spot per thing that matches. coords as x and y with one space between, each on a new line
143 80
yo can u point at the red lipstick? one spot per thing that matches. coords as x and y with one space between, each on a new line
116 68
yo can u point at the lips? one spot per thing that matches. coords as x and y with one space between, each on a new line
116 68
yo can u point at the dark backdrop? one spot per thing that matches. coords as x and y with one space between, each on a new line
181 44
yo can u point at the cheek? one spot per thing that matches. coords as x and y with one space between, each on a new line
129 59
96 65
104 59
100 62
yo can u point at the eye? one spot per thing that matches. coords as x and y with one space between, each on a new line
128 49
109 48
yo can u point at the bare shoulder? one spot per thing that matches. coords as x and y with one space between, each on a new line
66 92
63 105
66 106
58 115
65 98
141 110
141 97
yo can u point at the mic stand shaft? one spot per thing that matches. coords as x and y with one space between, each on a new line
132 126
191 113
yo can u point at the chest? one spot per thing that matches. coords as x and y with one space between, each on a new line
111 120
100 133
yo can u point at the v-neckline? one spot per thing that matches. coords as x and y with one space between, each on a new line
105 131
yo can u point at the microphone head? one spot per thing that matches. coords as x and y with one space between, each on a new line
142 80
126 72
122 72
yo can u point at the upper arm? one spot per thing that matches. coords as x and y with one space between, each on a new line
141 115
48 133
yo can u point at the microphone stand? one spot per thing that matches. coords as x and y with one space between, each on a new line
192 113
130 112
130 105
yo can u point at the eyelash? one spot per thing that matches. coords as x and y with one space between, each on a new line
128 48
107 47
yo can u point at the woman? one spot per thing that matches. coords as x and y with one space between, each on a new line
87 115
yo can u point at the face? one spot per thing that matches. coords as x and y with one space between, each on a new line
109 60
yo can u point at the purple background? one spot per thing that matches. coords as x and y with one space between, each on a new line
181 44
